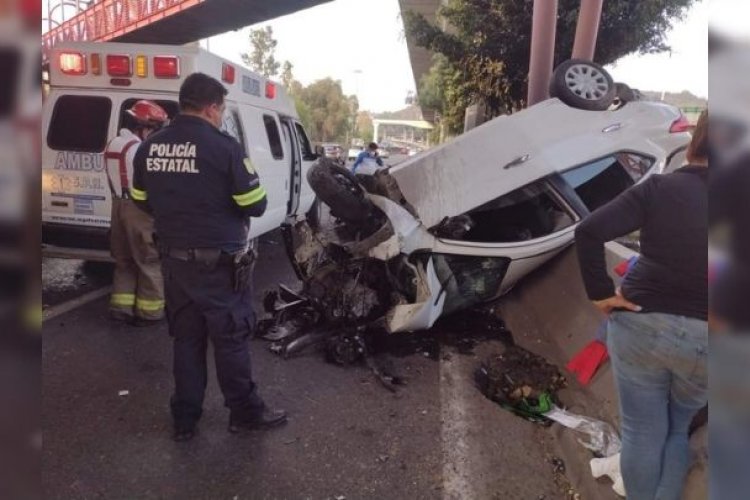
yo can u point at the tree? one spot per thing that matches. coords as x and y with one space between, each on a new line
485 51
262 58
330 110
286 75
364 129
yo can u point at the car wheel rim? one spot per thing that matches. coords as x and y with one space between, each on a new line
586 82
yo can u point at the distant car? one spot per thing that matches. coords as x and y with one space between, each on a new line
462 223
333 151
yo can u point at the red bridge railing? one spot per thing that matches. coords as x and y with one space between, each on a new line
109 19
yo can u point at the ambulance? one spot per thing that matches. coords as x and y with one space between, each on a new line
90 87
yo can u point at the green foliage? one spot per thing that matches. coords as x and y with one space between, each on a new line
262 58
331 113
364 128
325 112
485 53
287 77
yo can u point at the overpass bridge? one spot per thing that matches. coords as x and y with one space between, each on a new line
174 22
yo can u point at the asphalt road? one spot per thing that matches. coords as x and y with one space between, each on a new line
107 430
348 437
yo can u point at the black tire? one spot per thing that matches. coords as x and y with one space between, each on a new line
583 85
624 93
338 188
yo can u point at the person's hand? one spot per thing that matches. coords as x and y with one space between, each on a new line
617 301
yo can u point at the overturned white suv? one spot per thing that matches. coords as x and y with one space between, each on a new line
462 223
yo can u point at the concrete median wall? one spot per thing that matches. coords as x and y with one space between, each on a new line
550 315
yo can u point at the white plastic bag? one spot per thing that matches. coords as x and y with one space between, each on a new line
597 436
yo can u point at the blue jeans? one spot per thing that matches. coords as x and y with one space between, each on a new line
660 366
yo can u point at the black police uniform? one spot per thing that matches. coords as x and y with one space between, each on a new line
202 189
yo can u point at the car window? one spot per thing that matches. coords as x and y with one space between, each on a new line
274 138
600 181
231 125
79 123
469 280
304 143
529 212
126 121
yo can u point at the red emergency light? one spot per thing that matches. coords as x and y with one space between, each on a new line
72 63
119 65
227 73
680 125
166 66
270 90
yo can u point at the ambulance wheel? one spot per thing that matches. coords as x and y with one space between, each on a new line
338 188
583 85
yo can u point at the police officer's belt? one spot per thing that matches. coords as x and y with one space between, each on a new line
208 256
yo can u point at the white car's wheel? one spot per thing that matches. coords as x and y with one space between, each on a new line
583 85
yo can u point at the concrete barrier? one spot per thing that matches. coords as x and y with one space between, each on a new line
550 315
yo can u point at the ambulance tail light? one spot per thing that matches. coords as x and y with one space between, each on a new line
227 73
166 67
141 66
72 63
270 90
680 125
119 65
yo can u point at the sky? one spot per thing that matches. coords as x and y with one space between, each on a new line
364 48
371 59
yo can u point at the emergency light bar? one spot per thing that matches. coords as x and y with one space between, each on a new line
96 64
72 63
227 73
166 66
270 90
119 65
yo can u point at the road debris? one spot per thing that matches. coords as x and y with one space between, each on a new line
297 321
123 393
610 467
521 382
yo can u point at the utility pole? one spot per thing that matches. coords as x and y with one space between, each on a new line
543 29
587 29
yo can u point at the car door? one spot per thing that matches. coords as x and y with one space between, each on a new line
265 150
290 141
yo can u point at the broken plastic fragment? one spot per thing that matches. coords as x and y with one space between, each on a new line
610 467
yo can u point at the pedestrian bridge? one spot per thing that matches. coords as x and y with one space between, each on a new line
173 22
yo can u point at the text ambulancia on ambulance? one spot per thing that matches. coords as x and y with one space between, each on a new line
91 85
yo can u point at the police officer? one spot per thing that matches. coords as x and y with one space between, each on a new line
203 190
137 288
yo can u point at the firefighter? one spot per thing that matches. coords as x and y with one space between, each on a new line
138 288
202 190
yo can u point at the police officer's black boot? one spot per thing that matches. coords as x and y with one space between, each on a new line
265 420
183 432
